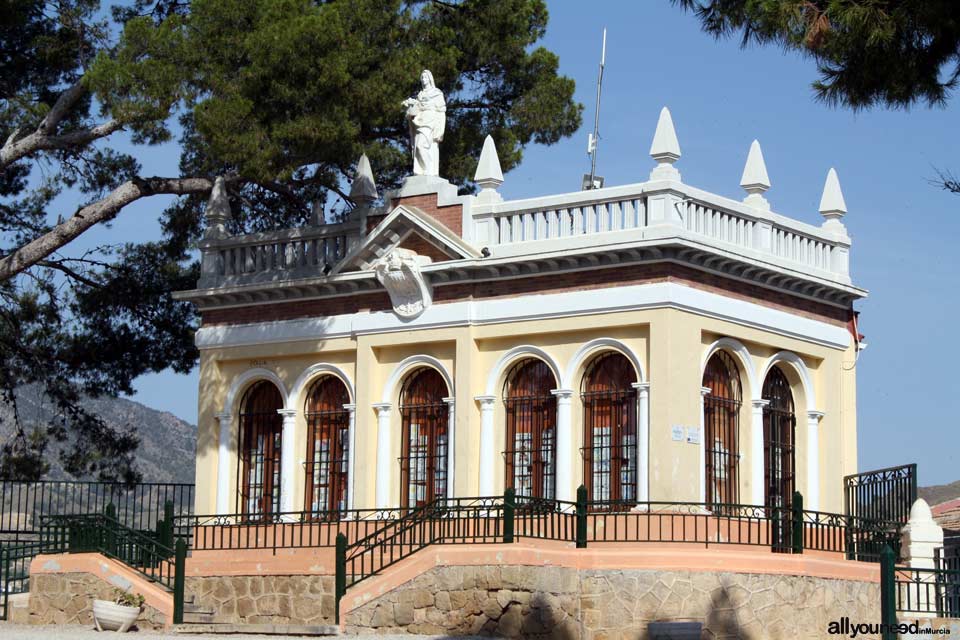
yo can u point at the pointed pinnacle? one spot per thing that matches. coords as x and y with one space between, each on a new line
665 146
832 204
218 206
489 175
754 178
363 189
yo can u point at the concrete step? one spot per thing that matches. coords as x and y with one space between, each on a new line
194 617
195 608
264 629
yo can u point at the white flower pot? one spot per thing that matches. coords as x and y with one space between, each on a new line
110 616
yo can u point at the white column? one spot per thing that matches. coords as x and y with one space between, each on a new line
811 501
704 392
564 468
487 455
288 465
756 451
383 455
919 540
451 443
643 441
352 451
223 465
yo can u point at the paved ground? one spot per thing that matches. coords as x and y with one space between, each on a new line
74 632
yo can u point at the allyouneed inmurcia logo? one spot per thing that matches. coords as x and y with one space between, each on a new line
843 627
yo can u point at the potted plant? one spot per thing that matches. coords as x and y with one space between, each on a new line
120 613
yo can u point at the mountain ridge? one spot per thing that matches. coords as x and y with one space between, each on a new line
167 450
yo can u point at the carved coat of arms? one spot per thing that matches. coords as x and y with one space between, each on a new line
399 273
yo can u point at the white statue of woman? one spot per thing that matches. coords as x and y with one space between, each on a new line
426 116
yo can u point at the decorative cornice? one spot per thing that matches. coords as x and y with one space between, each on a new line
678 251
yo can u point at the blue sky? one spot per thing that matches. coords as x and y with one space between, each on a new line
904 230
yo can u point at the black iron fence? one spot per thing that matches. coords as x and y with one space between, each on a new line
884 495
140 507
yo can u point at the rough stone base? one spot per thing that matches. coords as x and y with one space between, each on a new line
569 604
278 600
67 598
18 608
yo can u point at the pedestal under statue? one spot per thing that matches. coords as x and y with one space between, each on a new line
426 117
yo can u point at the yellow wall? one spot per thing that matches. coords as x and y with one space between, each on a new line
670 344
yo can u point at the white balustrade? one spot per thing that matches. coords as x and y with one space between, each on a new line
580 218
727 225
286 250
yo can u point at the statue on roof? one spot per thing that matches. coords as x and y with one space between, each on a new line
426 117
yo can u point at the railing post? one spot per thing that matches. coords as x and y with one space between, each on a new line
167 531
888 593
107 534
796 522
581 517
4 580
179 578
340 587
509 511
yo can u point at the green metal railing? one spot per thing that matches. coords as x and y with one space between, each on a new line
153 554
280 530
510 517
15 558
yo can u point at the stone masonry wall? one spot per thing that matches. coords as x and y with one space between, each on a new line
567 604
300 600
67 598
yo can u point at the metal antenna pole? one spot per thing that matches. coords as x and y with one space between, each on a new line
594 138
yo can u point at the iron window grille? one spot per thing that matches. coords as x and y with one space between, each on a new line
779 464
261 432
610 433
424 416
531 442
721 420
328 448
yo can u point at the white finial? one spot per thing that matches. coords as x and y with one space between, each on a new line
363 189
489 175
665 148
832 205
218 210
754 179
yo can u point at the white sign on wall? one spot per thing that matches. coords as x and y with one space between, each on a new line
693 435
677 433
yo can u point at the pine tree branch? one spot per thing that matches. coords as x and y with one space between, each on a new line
102 210
15 150
45 138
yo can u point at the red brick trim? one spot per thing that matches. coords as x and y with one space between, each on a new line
451 215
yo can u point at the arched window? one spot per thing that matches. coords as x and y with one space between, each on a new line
424 415
610 432
261 431
328 447
779 427
531 439
721 421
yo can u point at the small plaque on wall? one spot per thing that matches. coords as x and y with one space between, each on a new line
677 433
693 435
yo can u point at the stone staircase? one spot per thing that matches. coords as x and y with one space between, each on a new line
200 620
